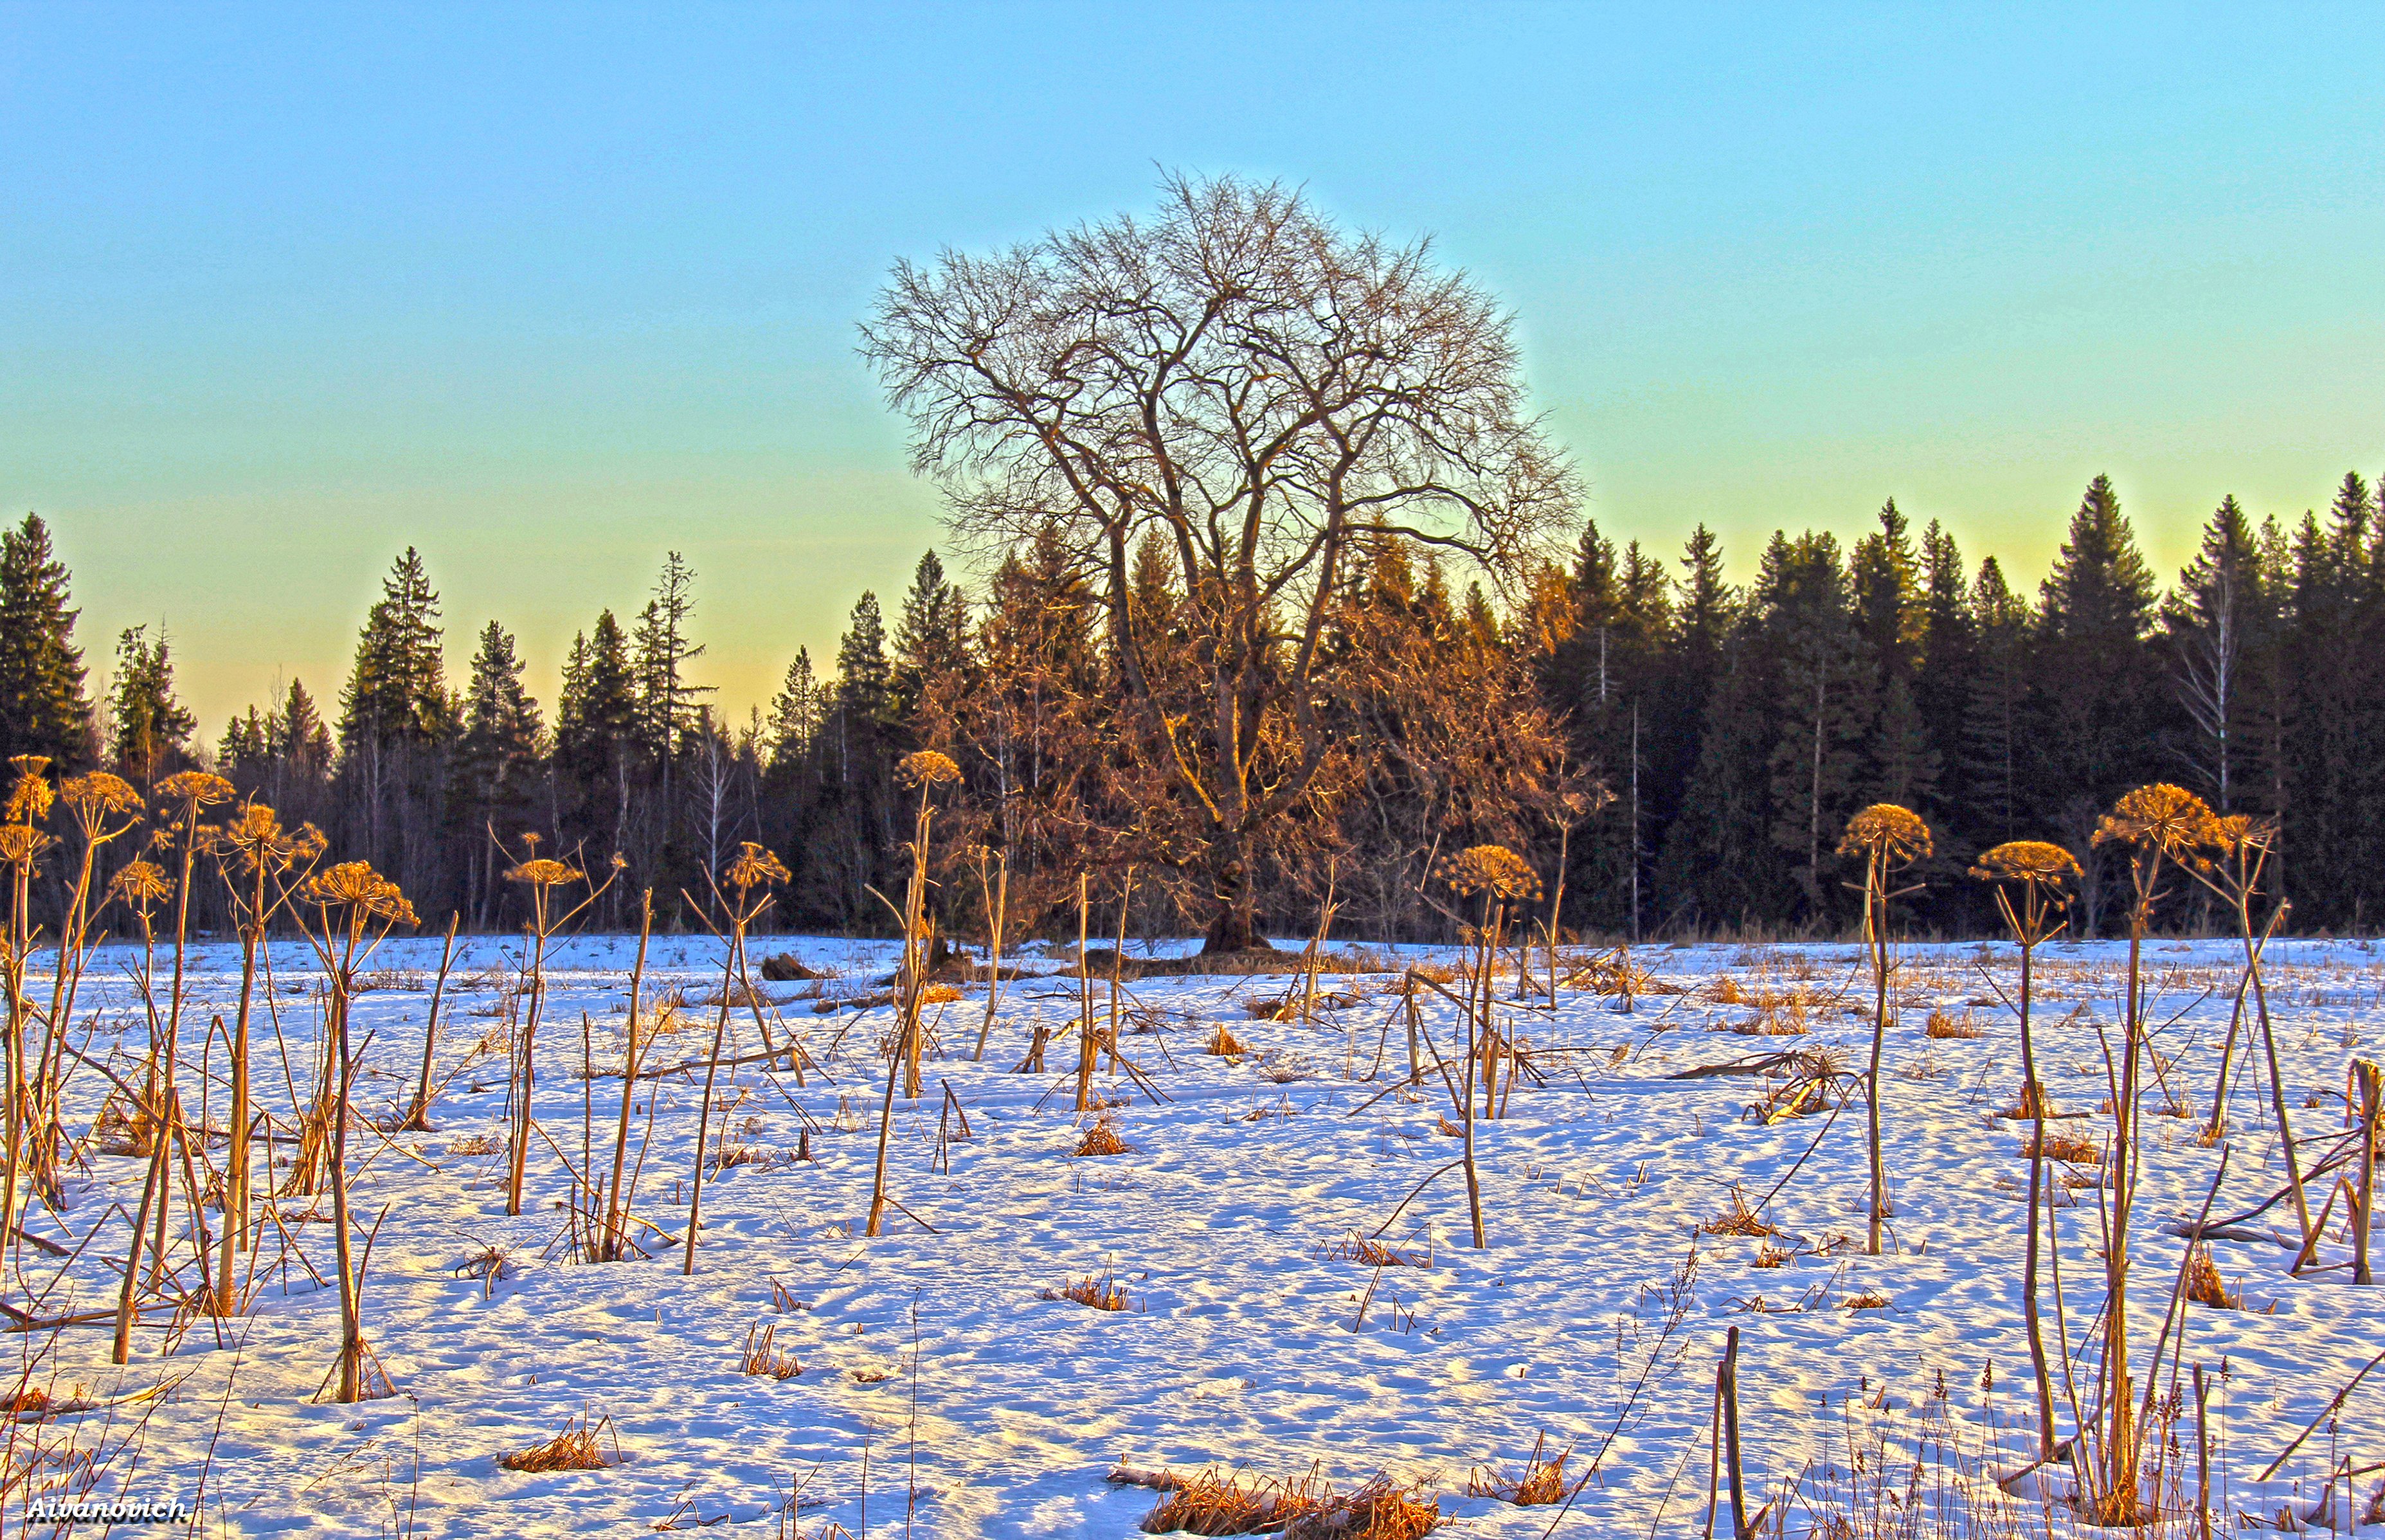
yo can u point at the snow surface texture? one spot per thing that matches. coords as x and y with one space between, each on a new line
985 1409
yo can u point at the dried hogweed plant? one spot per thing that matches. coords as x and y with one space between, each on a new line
345 910
545 878
257 859
2029 878
1887 838
2158 827
926 770
748 879
1500 879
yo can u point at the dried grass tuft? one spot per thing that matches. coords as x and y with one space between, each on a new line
1100 1293
1941 1025
1539 1484
1103 1139
2205 1286
761 1360
575 1448
1211 1503
475 1144
1867 1300
2072 1149
1224 1043
1738 1220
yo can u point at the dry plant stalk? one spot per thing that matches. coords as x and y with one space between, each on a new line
614 1242
1103 1139
338 909
2035 873
1541 1483
542 876
997 913
1501 877
749 878
762 1360
1888 838
2157 825
577 1447
927 770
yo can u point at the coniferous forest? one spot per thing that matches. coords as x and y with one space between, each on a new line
1686 739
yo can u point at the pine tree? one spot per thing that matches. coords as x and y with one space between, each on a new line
42 707
149 732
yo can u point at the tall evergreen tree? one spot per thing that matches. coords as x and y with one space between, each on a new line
496 766
599 743
2214 627
931 638
149 732
42 707
2096 704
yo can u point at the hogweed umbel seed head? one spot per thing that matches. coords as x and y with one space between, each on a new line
928 767
2161 817
541 872
97 794
355 887
756 866
195 789
2030 860
140 884
29 797
257 840
1891 833
1492 869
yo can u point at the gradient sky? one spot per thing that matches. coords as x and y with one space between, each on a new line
548 292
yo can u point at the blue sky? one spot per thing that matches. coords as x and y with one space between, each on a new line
549 291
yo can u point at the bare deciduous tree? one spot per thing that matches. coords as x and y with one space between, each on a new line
1255 387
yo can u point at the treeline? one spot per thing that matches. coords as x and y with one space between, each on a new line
1687 748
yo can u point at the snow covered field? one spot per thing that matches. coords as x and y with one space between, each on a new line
930 1360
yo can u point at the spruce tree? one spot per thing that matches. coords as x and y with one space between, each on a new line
662 648
149 732
2097 710
42 707
795 711
931 639
497 764
599 743
1891 624
397 691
